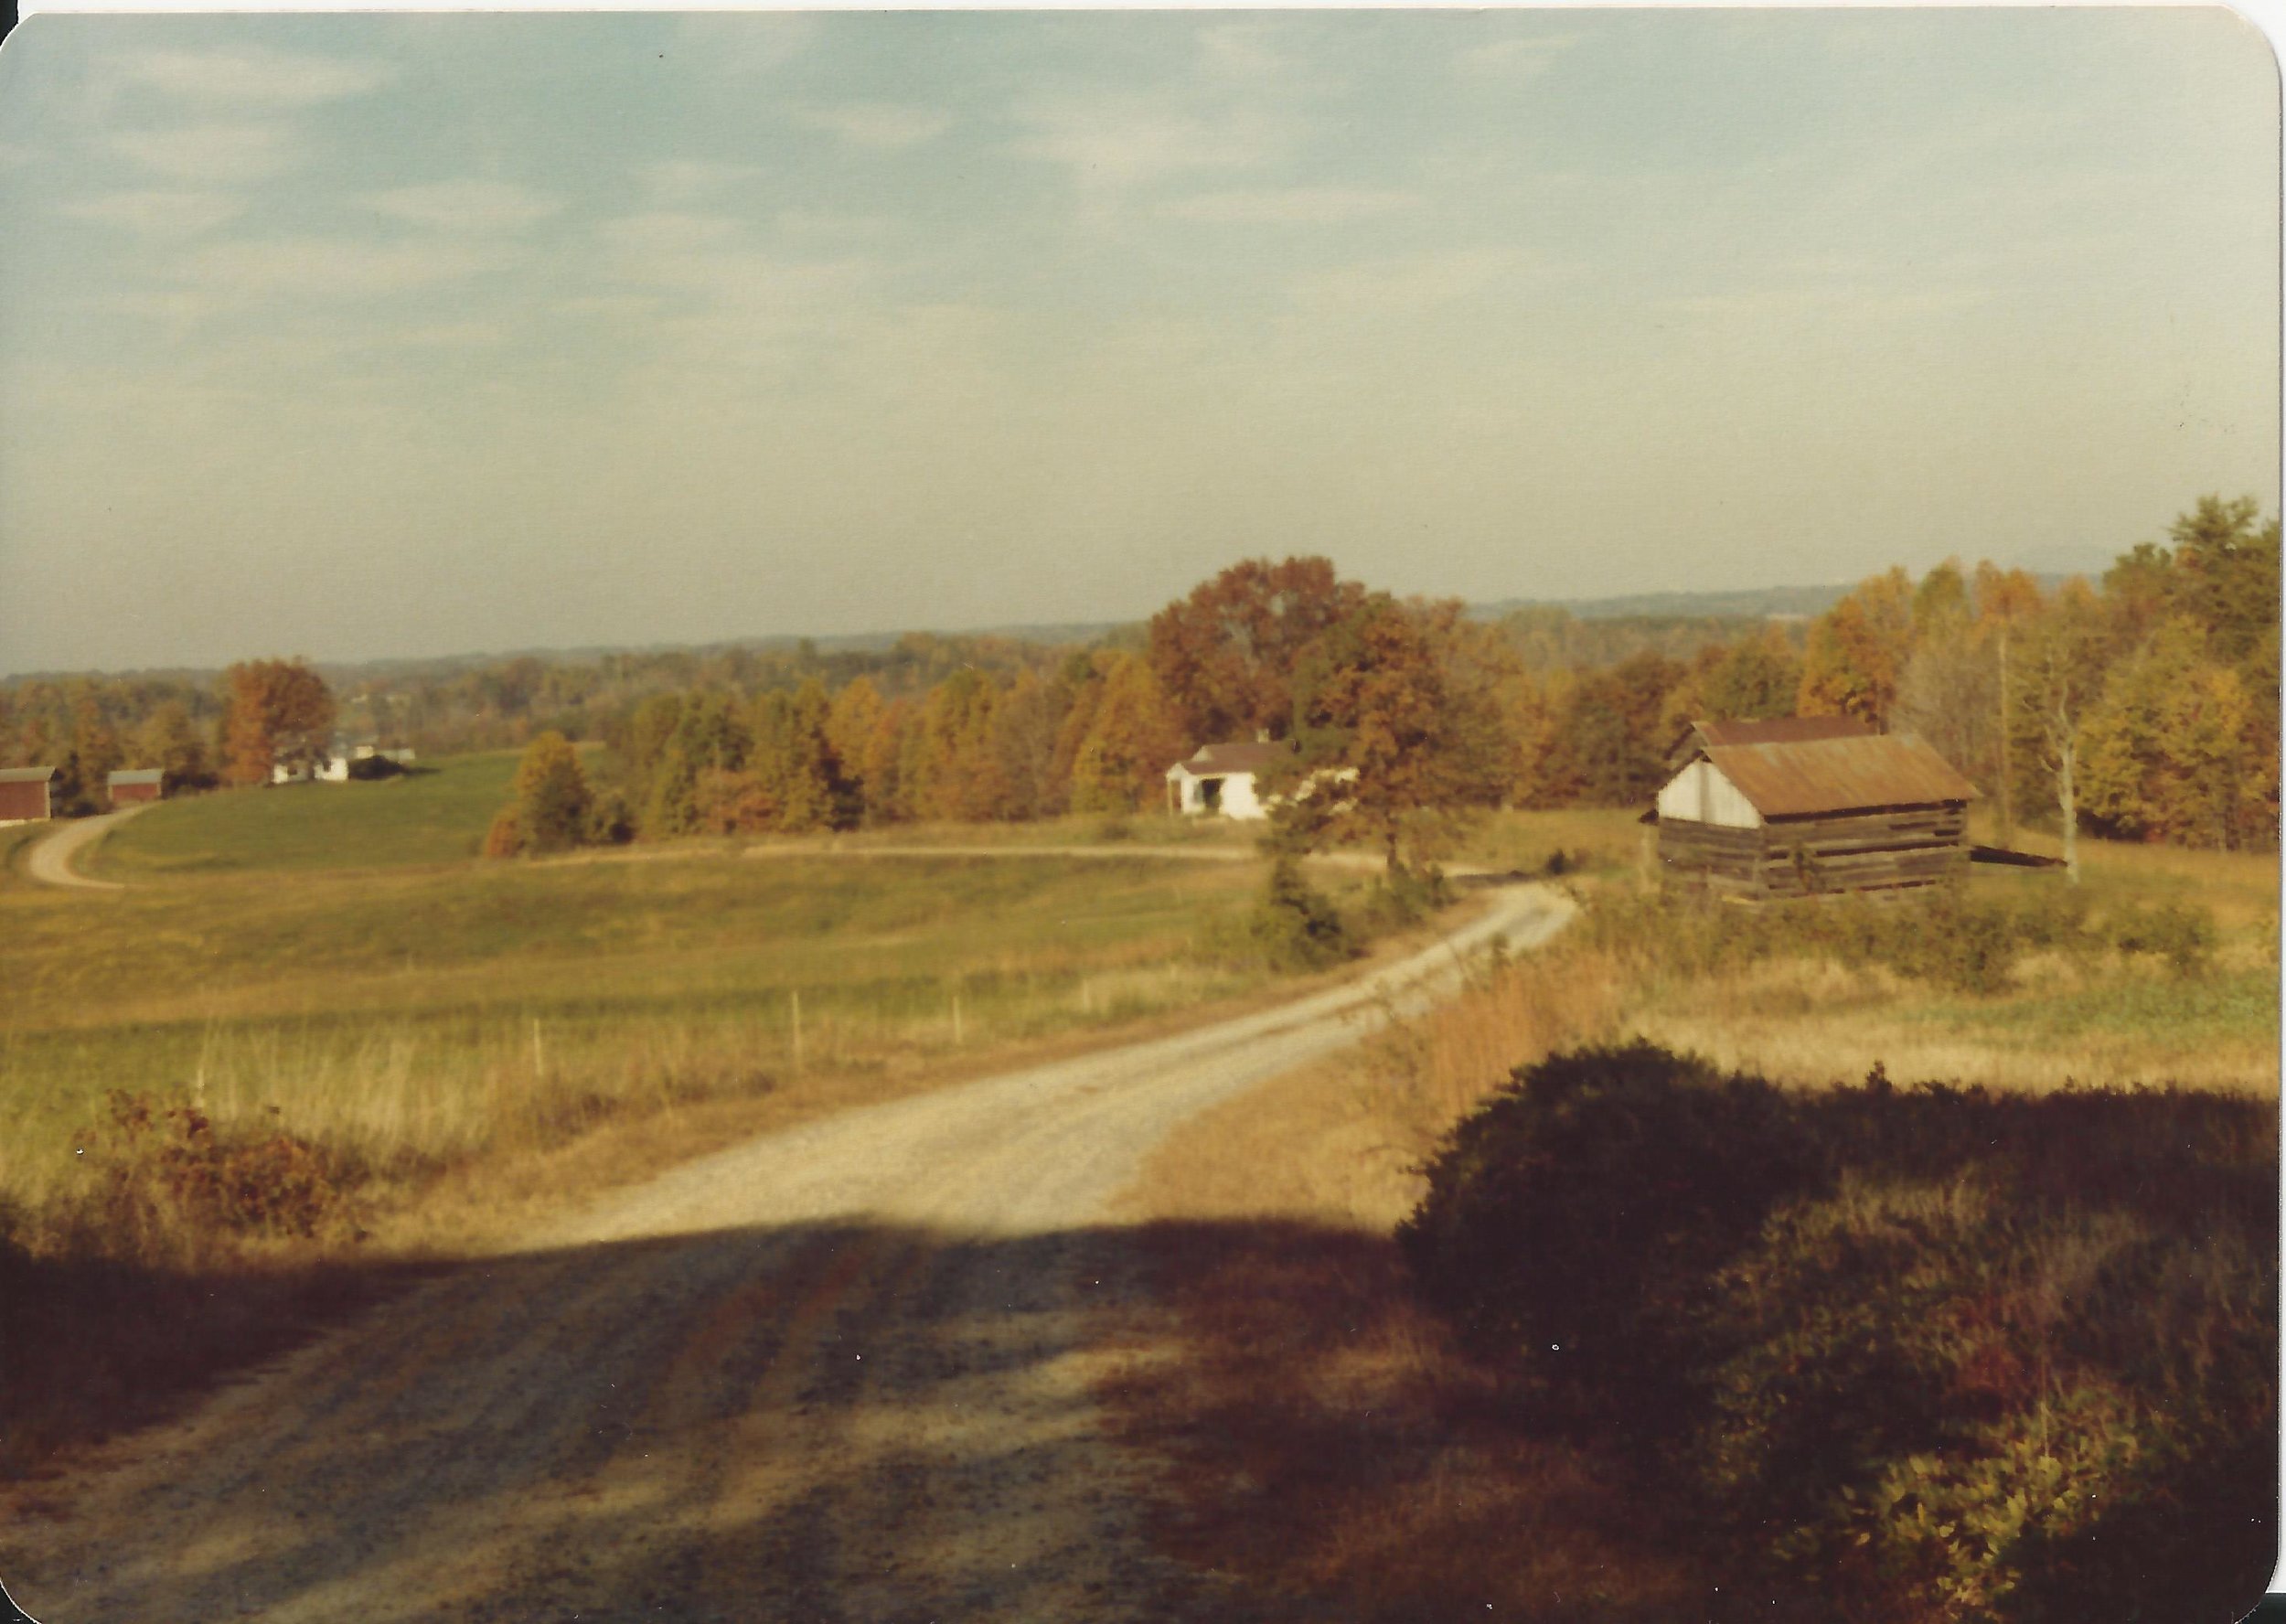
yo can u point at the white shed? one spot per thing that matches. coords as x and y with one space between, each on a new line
1221 779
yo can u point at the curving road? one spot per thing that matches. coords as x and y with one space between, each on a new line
834 1375
49 859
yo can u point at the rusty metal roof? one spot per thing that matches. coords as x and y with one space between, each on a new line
1782 730
1840 775
1248 757
26 775
1777 730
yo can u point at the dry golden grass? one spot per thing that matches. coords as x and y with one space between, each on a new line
1323 1437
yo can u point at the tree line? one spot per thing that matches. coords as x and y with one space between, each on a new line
2143 706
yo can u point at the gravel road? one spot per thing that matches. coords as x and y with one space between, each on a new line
835 1374
48 859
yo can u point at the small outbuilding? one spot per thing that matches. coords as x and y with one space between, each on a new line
24 794
1857 811
133 786
1221 779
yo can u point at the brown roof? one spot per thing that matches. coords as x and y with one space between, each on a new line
26 775
1782 730
1248 757
1840 775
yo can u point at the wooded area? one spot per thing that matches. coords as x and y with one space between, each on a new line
2142 707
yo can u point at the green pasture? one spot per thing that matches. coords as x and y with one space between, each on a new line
420 1012
436 813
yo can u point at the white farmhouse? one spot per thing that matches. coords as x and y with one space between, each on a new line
1221 778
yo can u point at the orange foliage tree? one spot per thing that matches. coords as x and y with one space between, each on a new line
278 714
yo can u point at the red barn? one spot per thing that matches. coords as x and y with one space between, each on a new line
132 785
24 794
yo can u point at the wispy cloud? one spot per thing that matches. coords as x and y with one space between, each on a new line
212 155
1527 56
673 182
882 126
1311 206
160 215
466 206
253 76
339 267
1112 142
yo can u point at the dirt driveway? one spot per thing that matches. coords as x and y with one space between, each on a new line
838 1374
49 859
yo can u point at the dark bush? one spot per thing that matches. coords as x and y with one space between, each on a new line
1567 1222
1903 1353
1295 927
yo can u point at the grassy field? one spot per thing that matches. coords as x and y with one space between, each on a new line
435 815
412 1017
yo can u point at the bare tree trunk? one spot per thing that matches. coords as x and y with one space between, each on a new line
2068 800
2007 808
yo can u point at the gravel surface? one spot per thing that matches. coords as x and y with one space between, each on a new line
837 1373
49 859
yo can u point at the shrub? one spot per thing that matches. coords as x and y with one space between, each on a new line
2184 936
1566 1219
506 837
1924 1355
1295 927
1402 896
166 1168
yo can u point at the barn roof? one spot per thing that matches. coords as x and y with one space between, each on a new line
1248 757
137 775
1696 736
26 775
1838 775
1782 730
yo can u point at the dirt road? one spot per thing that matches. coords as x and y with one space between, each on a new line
49 859
835 1374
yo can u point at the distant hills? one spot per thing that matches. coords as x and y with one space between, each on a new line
2051 567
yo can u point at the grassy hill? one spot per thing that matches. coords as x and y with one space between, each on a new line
435 815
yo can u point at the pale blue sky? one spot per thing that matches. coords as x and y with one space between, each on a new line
406 335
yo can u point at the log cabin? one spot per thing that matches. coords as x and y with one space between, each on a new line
1795 818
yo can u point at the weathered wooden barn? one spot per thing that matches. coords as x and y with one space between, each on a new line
1806 816
132 785
24 794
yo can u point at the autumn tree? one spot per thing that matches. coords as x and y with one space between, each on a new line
2166 743
792 758
952 770
553 802
1225 656
1757 678
1025 725
1131 741
170 741
852 722
1858 651
278 713
1389 748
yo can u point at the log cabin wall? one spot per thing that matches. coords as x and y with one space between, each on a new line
1879 849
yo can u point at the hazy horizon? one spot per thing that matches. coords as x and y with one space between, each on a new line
379 336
